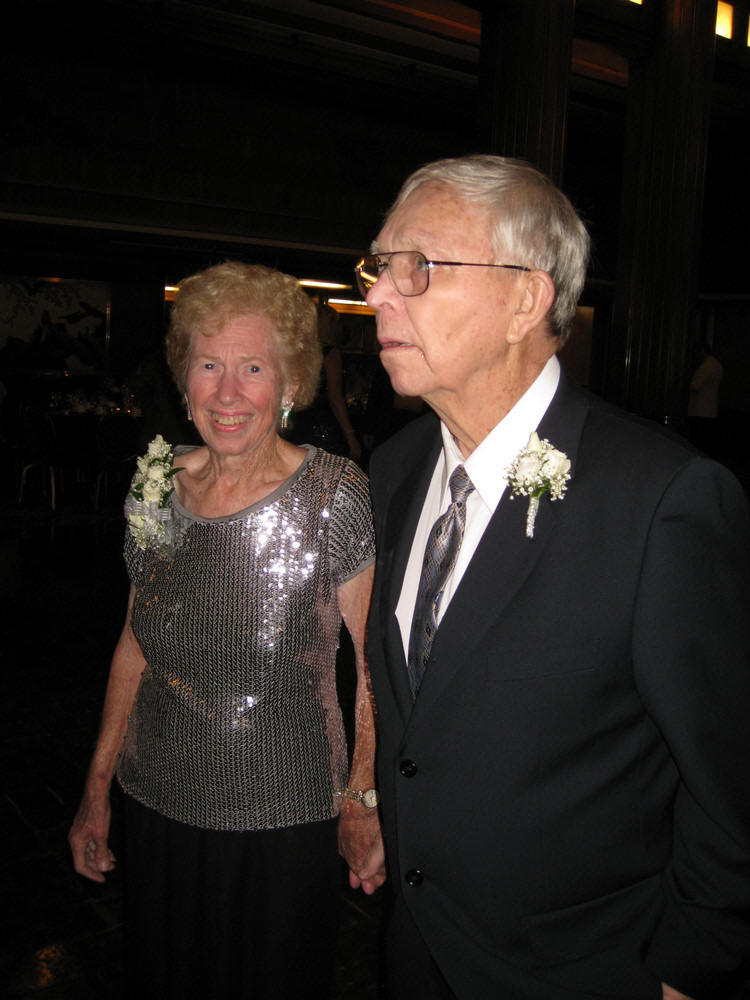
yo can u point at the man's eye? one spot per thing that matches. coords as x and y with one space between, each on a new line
419 263
209 366
253 369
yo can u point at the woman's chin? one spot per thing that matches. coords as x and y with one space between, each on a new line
238 439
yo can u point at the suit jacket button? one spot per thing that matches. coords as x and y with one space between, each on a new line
414 877
407 768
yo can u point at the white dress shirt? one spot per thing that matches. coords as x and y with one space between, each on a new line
485 467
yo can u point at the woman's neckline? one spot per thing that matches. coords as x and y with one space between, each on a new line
265 501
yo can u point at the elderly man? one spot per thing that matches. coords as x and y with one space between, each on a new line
558 638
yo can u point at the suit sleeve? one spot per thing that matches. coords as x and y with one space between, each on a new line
692 663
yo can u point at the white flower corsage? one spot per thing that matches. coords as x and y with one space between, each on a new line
537 470
150 517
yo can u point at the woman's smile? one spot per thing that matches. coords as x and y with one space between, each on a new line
229 419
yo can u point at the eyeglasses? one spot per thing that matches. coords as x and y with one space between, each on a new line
409 270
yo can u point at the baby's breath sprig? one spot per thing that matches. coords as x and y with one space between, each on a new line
148 509
537 470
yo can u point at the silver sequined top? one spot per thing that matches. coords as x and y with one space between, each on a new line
236 723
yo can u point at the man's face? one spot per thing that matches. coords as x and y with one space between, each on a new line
449 342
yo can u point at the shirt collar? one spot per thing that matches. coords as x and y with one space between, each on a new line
487 464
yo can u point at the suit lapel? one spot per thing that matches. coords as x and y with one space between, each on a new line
505 557
403 515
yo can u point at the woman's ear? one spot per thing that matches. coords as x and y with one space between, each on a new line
290 391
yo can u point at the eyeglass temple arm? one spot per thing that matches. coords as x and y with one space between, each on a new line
464 263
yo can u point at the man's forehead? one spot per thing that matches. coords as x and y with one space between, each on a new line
432 218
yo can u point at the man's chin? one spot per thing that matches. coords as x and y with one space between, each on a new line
402 362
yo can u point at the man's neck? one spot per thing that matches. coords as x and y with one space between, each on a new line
471 416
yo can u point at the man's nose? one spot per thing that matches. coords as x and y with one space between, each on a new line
382 291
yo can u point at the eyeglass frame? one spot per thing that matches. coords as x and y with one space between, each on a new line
430 264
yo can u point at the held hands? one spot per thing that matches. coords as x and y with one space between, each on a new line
88 838
361 846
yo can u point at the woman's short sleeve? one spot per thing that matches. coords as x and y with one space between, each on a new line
351 546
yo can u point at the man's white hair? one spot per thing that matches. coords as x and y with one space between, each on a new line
531 222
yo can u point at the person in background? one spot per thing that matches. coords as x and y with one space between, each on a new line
703 403
326 421
221 719
387 412
561 686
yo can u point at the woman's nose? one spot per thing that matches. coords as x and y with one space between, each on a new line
227 387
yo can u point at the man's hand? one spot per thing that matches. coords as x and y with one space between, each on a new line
668 993
361 846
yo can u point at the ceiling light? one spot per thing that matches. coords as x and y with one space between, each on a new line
314 283
724 18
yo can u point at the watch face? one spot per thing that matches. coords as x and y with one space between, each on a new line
370 797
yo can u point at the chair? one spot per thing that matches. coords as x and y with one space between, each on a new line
37 449
74 459
118 444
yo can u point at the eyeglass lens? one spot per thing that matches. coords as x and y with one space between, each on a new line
408 270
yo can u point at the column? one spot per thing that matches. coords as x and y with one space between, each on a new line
653 325
523 80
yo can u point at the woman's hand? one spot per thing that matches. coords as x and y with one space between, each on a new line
90 830
88 837
360 836
361 846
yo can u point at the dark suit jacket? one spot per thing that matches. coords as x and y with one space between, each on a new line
572 781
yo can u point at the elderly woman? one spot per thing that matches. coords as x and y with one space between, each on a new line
221 719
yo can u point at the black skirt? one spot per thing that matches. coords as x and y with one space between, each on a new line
218 914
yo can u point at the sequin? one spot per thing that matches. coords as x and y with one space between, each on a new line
236 723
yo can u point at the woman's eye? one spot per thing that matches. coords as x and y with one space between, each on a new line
209 366
254 369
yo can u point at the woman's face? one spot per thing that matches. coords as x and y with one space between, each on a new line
235 385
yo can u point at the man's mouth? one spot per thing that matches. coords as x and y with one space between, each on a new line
387 345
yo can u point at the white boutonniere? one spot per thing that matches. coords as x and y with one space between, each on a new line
537 470
149 513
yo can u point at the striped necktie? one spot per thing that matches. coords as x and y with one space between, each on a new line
440 556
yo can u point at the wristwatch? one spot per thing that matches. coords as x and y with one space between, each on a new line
368 797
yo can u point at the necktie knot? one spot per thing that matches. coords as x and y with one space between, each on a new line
460 485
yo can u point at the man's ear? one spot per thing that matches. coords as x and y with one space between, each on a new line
535 297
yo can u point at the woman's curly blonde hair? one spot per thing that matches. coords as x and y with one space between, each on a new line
208 300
